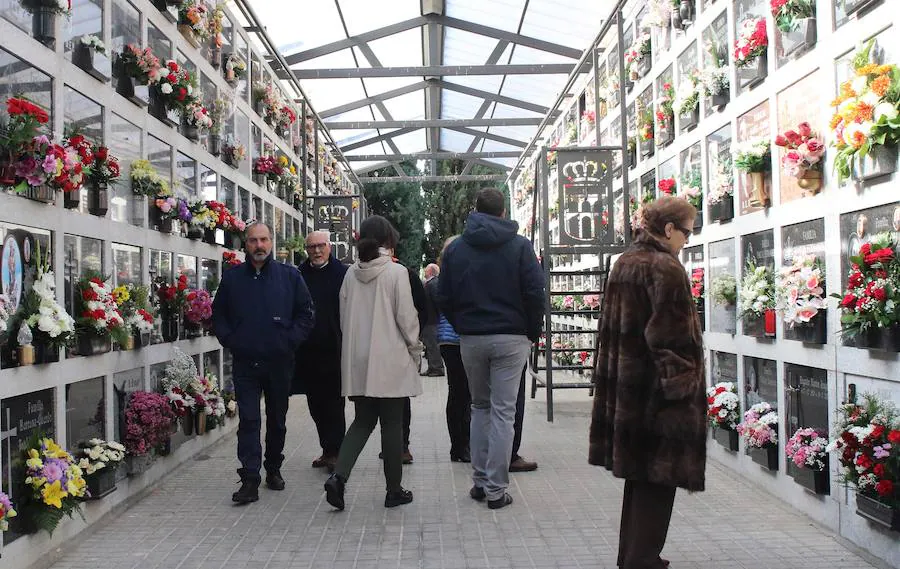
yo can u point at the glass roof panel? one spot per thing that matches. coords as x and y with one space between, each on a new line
501 14
466 48
364 15
406 107
399 50
453 141
411 142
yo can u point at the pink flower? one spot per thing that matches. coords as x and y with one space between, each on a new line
812 282
49 164
806 314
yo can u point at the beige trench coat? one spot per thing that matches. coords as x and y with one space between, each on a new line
380 329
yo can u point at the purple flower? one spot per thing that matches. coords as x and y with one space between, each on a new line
49 164
882 451
5 503
52 471
26 166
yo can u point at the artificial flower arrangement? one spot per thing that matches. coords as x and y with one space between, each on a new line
799 291
195 16
723 406
645 124
724 290
47 321
664 110
146 181
786 13
697 288
759 429
139 64
196 115
873 288
721 186
803 157
588 119
659 14
807 449
667 186
218 113
230 259
171 297
180 384
134 306
198 308
55 483
216 25
7 512
25 121
94 43
867 441
757 291
866 117
148 422
269 102
97 311
235 67
202 218
690 188
233 152
177 86
286 117
639 51
752 41
753 155
41 162
230 404
5 315
687 99
105 169
97 455
226 220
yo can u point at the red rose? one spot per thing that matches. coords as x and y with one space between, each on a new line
885 488
172 66
879 294
792 137
881 274
182 93
877 431
879 470
171 78
894 437
804 129
813 145
102 153
856 279
849 301
865 249
780 141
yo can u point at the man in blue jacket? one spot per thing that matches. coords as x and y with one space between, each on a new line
491 290
262 312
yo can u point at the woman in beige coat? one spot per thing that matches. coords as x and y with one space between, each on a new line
380 356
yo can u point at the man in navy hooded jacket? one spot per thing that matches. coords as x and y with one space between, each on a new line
262 312
492 291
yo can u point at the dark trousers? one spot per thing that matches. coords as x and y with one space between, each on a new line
326 407
432 351
459 402
520 417
407 418
369 411
251 380
646 512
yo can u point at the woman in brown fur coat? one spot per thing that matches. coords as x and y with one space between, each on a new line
649 417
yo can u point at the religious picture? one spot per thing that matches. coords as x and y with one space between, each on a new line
11 272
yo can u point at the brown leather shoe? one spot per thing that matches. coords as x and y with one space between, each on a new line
519 464
320 462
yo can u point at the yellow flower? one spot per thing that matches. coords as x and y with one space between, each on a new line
34 463
866 69
120 294
283 160
293 170
76 486
53 494
53 449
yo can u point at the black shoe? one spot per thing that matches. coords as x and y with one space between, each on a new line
477 494
274 481
249 492
334 491
463 456
501 502
434 373
398 498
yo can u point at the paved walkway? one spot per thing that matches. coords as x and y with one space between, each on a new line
565 514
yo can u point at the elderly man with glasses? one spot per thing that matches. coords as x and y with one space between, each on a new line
318 361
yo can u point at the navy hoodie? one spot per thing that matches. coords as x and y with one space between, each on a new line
491 282
262 315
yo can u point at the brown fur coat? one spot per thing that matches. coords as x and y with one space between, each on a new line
649 417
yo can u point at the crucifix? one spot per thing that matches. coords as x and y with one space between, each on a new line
7 436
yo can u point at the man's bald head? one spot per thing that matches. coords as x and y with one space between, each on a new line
432 271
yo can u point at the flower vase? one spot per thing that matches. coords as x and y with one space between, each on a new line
200 422
44 194
878 512
689 120
98 198
754 326
801 38
93 63
211 422
632 156
164 225
889 339
726 209
209 236
187 422
139 464
719 100
754 72
159 109
191 132
137 94
101 483
686 11
856 7
815 481
192 330
646 147
140 340
259 107
769 323
767 457
879 161
260 179
280 191
45 353
128 345
759 195
811 181
665 134
215 55
72 200
170 328
728 438
43 25
677 22
214 144
813 332
698 221
194 232
188 34
92 345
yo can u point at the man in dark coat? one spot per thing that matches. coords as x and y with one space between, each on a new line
429 331
318 369
262 312
649 416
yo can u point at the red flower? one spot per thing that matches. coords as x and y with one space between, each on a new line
865 249
849 301
879 294
885 488
877 432
864 461
879 470
102 153
804 129
172 66
780 141
856 279
880 256
666 185
182 93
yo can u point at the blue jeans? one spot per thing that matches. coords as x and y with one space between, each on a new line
494 367
271 380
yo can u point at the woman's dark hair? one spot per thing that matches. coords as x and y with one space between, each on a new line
665 210
375 232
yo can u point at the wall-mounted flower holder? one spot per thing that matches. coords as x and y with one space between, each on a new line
878 513
188 34
191 132
194 233
754 72
881 160
170 328
102 483
857 7
44 194
98 198
698 221
43 25
141 340
811 181
72 200
759 194
168 8
727 438
137 94
813 332
209 236
816 481
665 134
722 210
161 111
719 100
766 457
92 345
92 62
214 143
688 121
644 65
138 465
260 179
800 39
215 55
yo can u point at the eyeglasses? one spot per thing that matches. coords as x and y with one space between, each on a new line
313 247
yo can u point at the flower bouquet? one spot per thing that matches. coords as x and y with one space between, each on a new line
24 122
645 131
665 115
796 23
869 307
723 413
759 429
202 222
171 299
230 259
145 181
750 49
173 93
43 167
667 186
867 442
230 404
724 290
197 311
687 101
134 306
98 460
195 118
754 157
136 69
148 426
235 68
638 58
799 296
865 125
697 292
757 301
99 321
692 191
6 512
54 482
194 21
803 157
233 153
714 78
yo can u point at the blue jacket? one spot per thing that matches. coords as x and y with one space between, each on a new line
262 316
491 282
445 332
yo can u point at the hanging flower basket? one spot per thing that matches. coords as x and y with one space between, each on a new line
881 160
801 38
878 513
767 456
728 438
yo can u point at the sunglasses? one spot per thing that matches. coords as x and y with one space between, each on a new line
686 232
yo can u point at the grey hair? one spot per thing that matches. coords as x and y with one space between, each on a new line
254 223
327 234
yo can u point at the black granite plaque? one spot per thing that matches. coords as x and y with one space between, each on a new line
861 226
723 367
807 238
85 411
758 249
760 382
124 383
806 397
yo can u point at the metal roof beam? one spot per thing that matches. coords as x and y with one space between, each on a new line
467 178
434 156
491 136
436 71
381 97
472 92
377 139
354 41
434 123
511 37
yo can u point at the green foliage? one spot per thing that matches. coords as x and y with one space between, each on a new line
401 203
